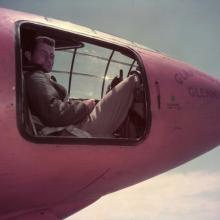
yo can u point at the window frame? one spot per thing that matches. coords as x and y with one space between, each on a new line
20 90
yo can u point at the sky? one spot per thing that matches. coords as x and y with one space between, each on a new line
187 30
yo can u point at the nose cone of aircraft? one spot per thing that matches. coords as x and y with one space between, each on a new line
195 104
185 106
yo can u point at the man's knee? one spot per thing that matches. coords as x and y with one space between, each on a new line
134 79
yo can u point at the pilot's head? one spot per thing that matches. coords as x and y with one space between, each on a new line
42 53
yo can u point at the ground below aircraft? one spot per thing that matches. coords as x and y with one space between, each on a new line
50 176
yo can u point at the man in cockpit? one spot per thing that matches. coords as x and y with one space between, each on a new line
49 101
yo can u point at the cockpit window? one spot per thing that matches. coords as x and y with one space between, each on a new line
88 69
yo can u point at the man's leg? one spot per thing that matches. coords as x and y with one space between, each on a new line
111 111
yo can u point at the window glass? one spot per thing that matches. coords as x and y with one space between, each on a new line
61 68
118 62
85 87
88 71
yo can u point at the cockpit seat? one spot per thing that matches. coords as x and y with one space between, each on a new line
39 129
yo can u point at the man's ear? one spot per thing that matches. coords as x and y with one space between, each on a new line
27 55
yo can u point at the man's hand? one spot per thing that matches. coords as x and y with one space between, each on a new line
90 104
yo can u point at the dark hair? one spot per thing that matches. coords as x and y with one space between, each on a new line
43 39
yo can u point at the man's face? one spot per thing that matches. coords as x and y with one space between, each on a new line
43 55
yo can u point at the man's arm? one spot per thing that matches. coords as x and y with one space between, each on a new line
46 102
